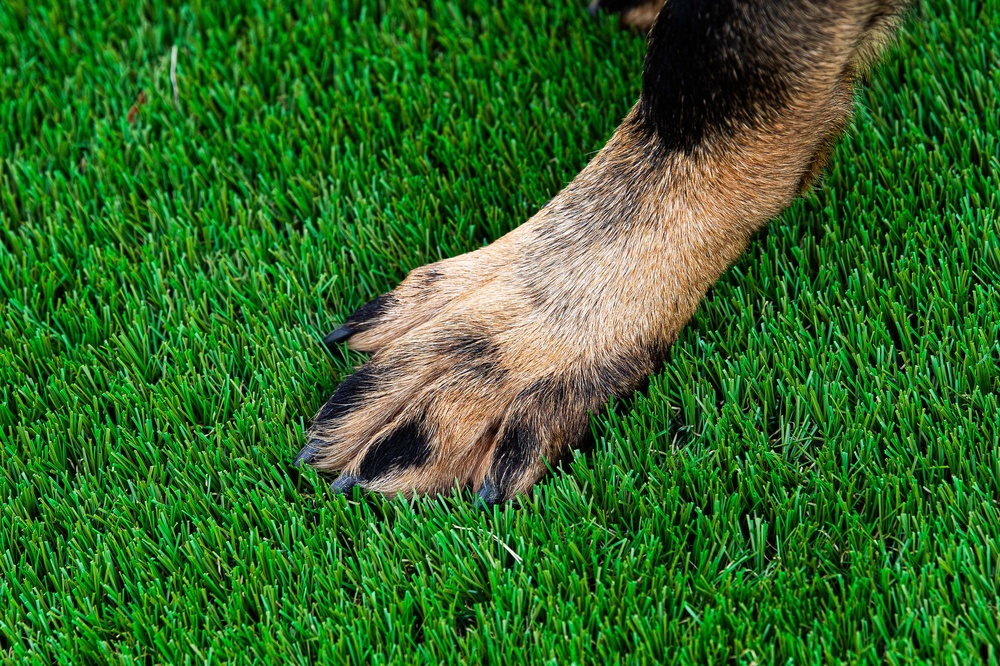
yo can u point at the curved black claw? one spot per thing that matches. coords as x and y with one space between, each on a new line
487 496
308 453
361 320
345 483
334 338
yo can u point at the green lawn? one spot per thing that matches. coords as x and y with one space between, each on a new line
813 477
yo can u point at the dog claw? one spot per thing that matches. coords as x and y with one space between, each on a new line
487 496
345 483
334 338
306 454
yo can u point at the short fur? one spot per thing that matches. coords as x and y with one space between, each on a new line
485 368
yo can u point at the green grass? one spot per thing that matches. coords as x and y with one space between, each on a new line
813 478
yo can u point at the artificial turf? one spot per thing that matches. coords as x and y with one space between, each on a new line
812 478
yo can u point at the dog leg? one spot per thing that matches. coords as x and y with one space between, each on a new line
487 366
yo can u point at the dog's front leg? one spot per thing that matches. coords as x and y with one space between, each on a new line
487 365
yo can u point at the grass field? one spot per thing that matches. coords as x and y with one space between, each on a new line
812 478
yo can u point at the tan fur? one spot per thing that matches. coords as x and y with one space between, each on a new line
641 18
613 266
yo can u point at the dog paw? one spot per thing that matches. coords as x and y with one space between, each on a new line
484 371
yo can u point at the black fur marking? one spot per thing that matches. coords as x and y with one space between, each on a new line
428 277
364 317
472 352
344 484
514 452
619 379
466 345
403 448
475 356
713 66
349 395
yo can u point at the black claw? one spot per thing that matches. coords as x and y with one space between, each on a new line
361 320
488 495
336 337
345 483
304 456
308 452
